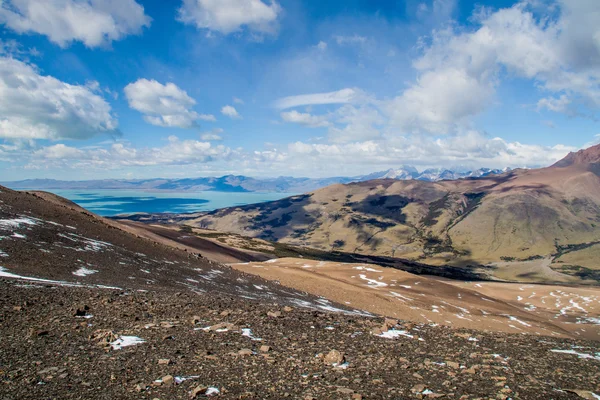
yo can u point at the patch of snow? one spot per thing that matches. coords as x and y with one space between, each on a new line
580 355
83 271
518 320
329 328
5 274
248 333
372 282
18 236
405 286
341 366
212 391
3 254
125 341
394 333
361 268
271 261
180 379
17 222
398 295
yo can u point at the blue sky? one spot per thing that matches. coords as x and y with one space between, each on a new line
139 89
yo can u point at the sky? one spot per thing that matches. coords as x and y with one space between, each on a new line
94 89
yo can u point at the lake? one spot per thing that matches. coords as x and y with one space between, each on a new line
110 202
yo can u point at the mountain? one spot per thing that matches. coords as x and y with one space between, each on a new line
535 225
46 239
405 172
95 309
240 183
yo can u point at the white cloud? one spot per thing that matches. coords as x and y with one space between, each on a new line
357 124
34 106
350 40
554 104
59 152
469 148
439 100
347 95
237 100
92 22
119 155
230 112
227 16
461 69
212 135
163 105
306 119
322 46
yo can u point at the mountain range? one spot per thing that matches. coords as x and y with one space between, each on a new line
521 225
239 183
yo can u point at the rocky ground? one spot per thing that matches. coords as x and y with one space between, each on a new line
56 344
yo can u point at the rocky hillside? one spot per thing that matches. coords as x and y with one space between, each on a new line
539 225
92 311
47 240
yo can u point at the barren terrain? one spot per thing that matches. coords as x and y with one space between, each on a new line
506 307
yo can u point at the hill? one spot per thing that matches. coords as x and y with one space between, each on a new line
90 309
529 225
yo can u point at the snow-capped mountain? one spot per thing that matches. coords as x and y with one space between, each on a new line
407 172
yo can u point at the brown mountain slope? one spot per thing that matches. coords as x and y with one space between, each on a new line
523 216
48 241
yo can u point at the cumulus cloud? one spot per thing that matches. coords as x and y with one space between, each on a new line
92 22
119 155
227 16
306 119
347 95
163 105
34 106
231 112
214 134
459 69
470 148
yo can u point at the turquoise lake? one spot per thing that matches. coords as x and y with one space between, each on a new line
110 202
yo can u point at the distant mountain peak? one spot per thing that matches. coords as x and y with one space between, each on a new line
591 155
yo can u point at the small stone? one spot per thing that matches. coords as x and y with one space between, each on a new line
357 396
274 314
245 352
453 364
164 361
334 357
197 391
265 349
140 387
420 388
168 379
345 390
390 323
288 309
